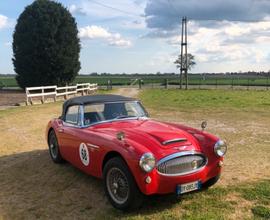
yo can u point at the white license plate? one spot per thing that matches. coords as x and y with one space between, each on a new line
188 187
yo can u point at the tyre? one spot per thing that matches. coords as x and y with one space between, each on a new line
54 148
120 186
211 182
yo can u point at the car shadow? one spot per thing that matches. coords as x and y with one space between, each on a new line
32 186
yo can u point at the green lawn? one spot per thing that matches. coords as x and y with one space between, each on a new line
204 99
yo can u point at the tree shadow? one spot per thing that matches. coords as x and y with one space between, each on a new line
32 186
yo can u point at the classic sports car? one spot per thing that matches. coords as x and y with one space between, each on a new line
112 137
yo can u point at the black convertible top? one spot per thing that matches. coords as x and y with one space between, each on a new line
90 99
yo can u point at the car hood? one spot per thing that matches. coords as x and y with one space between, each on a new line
158 137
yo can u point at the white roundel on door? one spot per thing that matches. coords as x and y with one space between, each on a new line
84 154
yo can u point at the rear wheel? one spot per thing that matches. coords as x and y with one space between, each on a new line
54 148
120 186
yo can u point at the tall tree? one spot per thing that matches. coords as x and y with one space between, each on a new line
190 61
46 46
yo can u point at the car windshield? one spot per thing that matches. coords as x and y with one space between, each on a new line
94 113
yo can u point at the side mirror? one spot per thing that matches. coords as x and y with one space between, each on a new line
204 125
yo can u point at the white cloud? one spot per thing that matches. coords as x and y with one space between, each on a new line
93 32
74 9
97 32
3 21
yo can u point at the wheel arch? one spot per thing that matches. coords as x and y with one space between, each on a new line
110 155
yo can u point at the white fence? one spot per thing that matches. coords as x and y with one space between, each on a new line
53 92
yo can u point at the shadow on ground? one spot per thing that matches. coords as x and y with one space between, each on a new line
32 187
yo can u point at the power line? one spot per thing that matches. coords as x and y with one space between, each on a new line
115 9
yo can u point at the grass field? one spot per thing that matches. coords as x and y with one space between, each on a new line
33 187
215 100
9 81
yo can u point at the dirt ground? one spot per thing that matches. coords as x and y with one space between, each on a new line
33 187
11 97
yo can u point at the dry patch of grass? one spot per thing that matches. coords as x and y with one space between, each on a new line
23 129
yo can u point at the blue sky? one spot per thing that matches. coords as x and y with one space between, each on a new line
144 35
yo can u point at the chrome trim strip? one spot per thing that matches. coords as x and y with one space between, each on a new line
92 146
113 120
174 141
180 154
81 112
70 125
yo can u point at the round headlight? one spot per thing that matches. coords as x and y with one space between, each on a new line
147 162
220 148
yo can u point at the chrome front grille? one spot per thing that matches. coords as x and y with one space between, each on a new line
181 163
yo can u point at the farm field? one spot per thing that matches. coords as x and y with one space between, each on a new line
159 80
33 187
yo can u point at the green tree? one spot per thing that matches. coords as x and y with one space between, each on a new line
190 61
46 46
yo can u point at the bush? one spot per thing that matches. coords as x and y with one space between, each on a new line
46 46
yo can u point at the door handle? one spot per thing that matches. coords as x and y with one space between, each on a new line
61 130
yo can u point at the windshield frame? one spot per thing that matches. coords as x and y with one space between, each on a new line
146 116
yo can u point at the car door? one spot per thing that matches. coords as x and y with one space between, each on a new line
77 149
68 134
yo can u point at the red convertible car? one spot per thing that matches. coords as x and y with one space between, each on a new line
112 137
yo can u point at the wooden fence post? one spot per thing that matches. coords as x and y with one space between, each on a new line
42 98
108 85
166 83
55 90
27 99
66 95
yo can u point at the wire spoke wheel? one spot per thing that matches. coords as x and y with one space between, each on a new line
117 185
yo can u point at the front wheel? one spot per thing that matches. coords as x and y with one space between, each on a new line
211 182
54 148
120 186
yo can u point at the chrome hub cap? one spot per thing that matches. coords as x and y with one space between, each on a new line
117 185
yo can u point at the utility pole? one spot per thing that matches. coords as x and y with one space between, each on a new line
184 56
